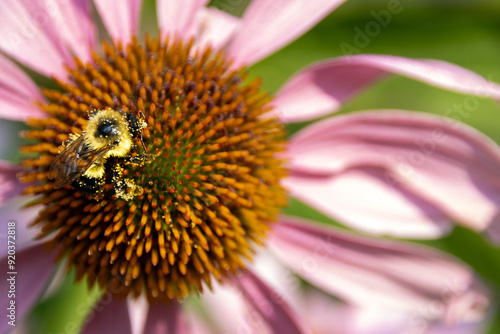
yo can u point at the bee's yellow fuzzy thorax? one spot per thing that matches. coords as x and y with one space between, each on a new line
122 141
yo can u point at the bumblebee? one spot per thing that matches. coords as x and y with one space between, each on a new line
88 160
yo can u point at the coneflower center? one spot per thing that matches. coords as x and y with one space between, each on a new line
206 197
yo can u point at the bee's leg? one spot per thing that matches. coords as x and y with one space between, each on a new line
116 172
124 187
92 187
139 160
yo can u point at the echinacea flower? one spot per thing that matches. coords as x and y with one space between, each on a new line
214 187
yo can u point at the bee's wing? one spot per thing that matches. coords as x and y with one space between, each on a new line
73 161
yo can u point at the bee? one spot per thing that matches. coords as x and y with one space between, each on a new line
88 160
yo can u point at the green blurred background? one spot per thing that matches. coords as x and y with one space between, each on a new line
463 32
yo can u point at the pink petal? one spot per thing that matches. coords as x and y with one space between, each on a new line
179 17
33 267
329 316
278 277
275 312
14 211
17 93
165 319
9 185
108 316
138 310
371 272
31 37
269 25
325 314
198 327
121 18
323 87
215 28
395 172
73 23
197 323
360 198
493 232
228 311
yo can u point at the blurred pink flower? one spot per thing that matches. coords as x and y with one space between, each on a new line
386 172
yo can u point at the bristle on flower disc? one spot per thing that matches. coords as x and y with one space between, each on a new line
207 196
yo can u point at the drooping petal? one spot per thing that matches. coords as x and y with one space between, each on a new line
121 18
269 25
285 284
275 312
9 185
214 28
323 87
14 211
198 326
229 312
362 199
138 310
30 36
395 172
17 93
27 286
329 316
198 323
179 18
373 272
166 319
325 314
109 316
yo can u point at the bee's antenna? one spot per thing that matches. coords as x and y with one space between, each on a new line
144 118
142 114
144 146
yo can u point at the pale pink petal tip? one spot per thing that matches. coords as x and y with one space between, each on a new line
9 185
163 319
269 25
25 39
394 172
14 213
266 304
323 87
179 18
121 18
214 28
26 285
74 24
227 311
17 93
375 273
138 310
108 316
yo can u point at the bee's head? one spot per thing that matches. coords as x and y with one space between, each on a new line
109 128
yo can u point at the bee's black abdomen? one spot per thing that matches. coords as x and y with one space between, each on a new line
88 185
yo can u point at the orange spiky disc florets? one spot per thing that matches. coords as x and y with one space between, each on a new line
209 192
